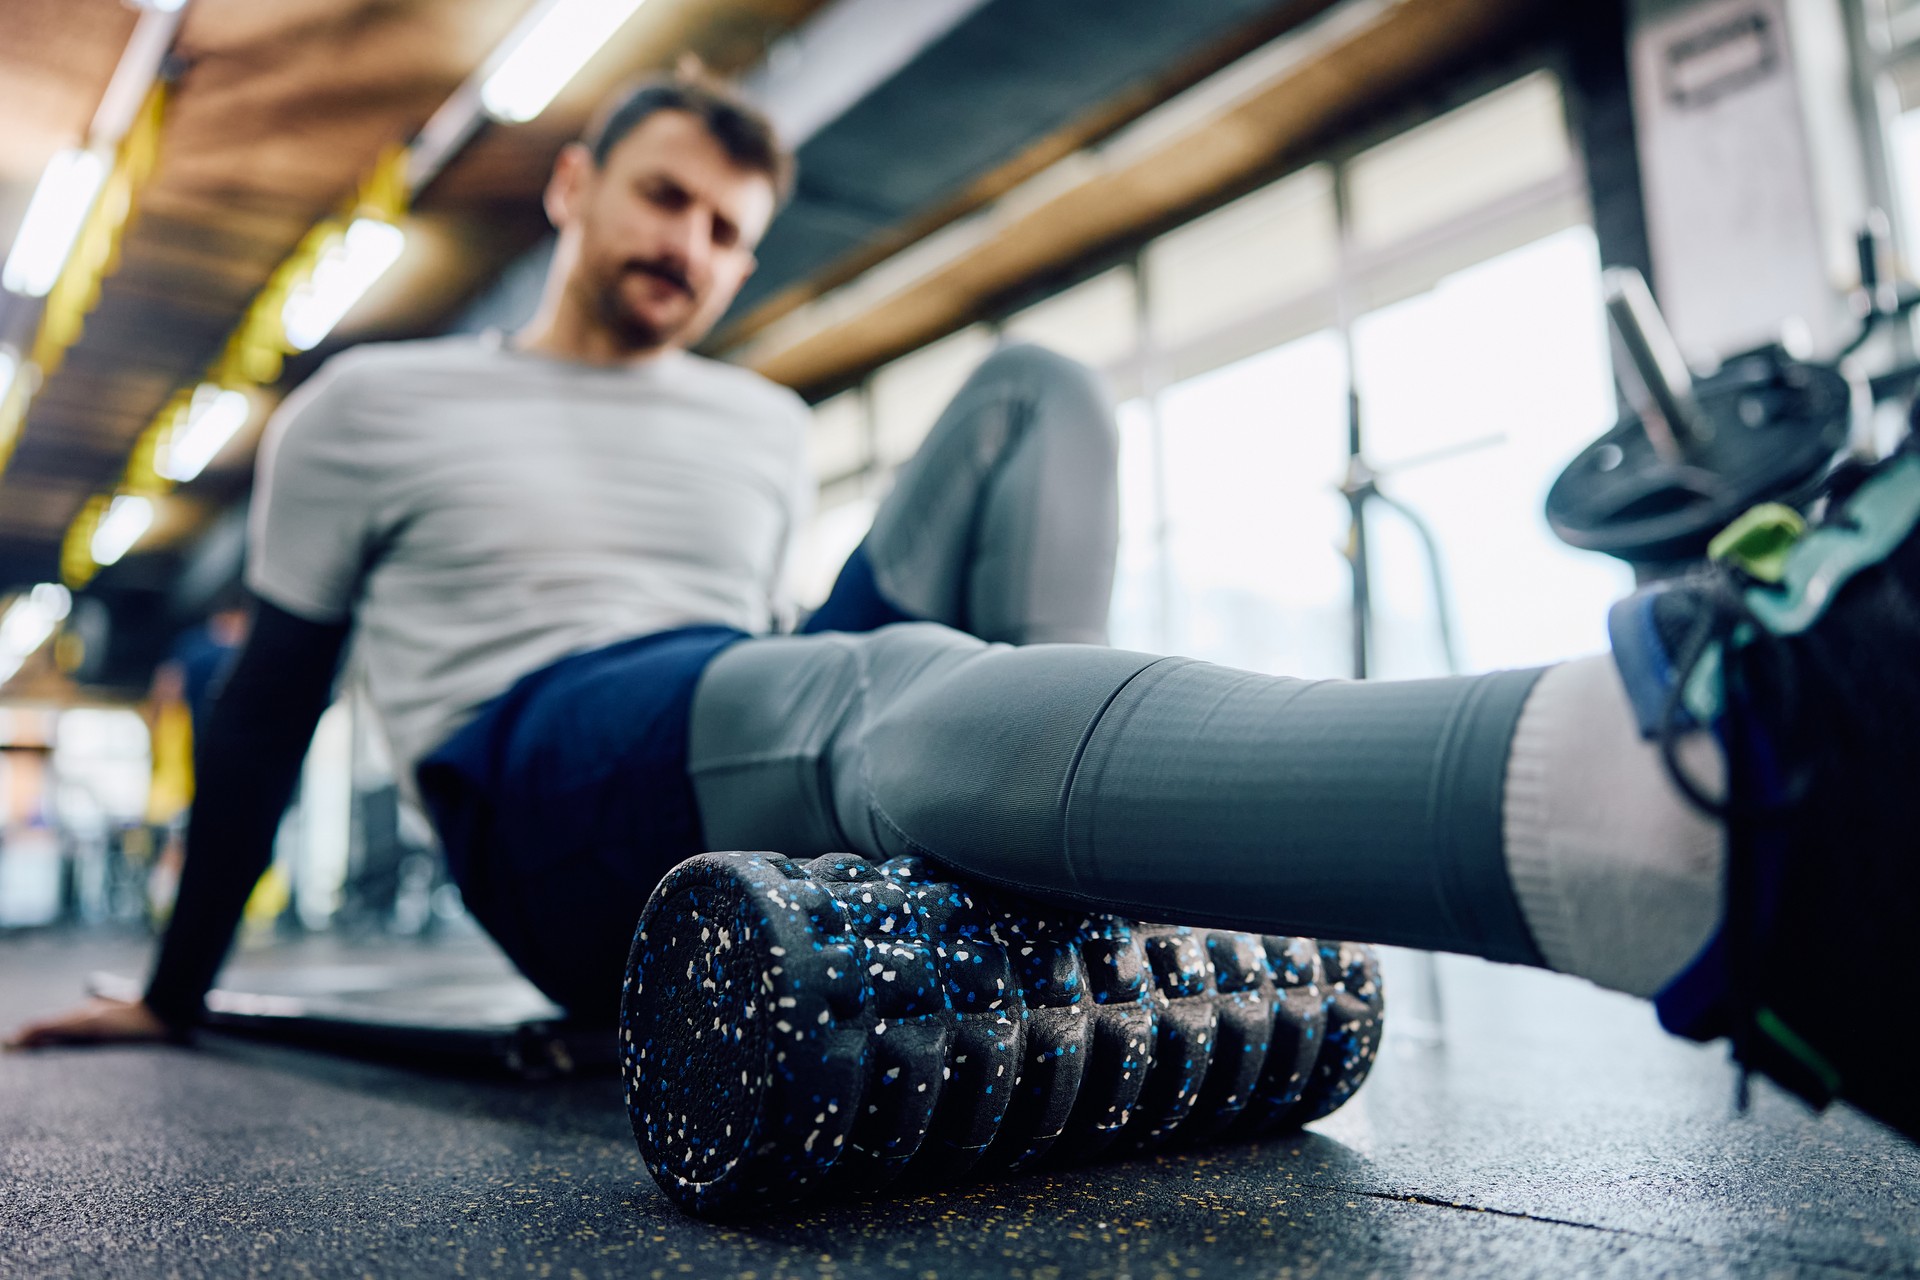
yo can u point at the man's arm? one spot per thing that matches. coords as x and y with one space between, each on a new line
314 501
245 772
256 740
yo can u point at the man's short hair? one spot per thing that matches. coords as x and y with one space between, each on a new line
742 131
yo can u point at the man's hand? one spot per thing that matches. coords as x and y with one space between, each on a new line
98 1021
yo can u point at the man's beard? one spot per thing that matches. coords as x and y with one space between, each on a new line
627 323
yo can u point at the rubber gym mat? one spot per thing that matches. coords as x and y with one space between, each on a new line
433 1016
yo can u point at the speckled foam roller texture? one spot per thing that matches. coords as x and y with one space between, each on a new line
795 1029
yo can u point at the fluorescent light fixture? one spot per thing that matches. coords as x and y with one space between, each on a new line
547 50
128 518
54 216
345 271
210 420
28 623
9 370
134 74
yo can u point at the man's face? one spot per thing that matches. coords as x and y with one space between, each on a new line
663 232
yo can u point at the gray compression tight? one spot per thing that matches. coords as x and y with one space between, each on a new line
1004 523
1162 788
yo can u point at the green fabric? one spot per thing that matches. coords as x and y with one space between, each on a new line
1879 516
1795 1045
1759 540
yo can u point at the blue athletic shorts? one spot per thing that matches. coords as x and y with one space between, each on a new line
566 799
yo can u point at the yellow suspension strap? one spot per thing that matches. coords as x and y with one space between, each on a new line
253 356
94 257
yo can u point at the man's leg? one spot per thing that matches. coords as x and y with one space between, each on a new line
1447 814
565 802
1004 523
1474 814
566 799
1522 816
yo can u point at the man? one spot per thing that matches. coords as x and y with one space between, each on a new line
596 519
536 544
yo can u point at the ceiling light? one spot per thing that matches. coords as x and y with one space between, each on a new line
547 50
28 623
128 518
134 74
345 271
209 421
54 216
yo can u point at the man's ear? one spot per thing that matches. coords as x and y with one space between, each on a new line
573 173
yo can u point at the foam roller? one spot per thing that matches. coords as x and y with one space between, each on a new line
791 1030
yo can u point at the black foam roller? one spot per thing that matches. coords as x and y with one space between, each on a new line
791 1030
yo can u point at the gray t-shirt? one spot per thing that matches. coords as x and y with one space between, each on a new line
480 512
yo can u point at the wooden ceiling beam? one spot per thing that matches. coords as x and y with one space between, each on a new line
1350 60
280 110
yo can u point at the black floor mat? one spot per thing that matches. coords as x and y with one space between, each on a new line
449 1013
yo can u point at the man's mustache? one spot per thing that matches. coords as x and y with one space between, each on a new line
664 271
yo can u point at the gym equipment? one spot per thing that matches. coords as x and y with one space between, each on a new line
795 1029
1694 452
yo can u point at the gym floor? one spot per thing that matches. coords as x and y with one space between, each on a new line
1554 1132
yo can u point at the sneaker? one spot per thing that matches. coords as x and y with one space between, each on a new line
1800 650
795 1029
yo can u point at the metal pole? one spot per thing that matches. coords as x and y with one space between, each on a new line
1153 381
1358 485
1658 383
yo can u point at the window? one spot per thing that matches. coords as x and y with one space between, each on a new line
1891 76
839 443
841 449
910 393
1253 456
1902 21
1141 587
1456 165
1480 364
1499 375
1233 266
1096 322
